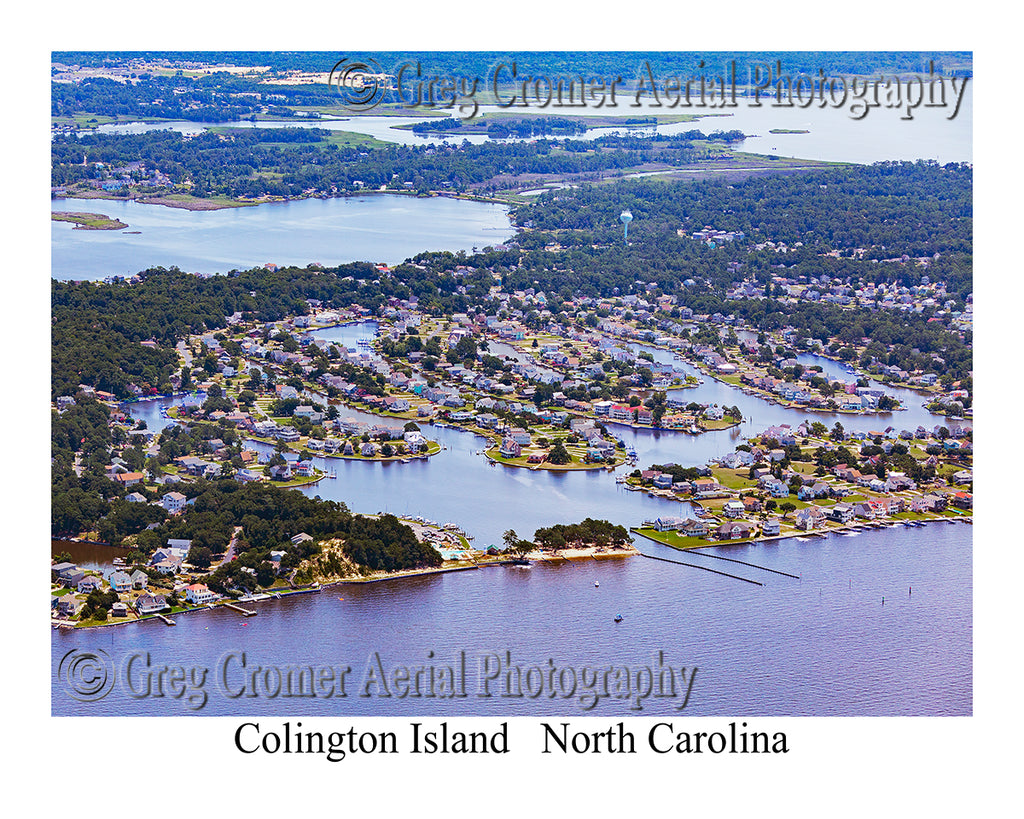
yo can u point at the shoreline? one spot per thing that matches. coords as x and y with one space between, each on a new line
839 529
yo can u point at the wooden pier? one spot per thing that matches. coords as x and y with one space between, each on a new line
702 568
240 610
167 620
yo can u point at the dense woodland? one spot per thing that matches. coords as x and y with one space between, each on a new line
290 161
911 209
269 516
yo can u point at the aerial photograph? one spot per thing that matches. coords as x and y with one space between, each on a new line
496 384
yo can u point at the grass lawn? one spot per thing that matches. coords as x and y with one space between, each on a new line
676 541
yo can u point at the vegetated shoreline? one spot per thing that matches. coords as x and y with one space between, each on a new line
832 528
563 555
87 221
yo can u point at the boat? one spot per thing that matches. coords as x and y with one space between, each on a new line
597 583
618 618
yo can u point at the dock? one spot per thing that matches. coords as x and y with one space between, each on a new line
167 620
240 610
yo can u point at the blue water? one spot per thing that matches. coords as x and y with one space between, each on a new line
821 645
375 228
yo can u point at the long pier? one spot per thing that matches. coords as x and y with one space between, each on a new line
240 610
702 568
745 563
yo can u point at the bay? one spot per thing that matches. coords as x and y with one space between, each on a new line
386 228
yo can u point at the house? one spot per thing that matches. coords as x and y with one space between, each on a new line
139 579
863 509
173 502
64 571
668 524
733 509
663 480
167 566
751 505
693 527
120 582
771 527
841 512
809 518
67 606
510 448
129 478
150 603
962 500
280 472
733 531
119 609
199 595
89 583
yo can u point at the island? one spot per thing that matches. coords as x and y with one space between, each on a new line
88 221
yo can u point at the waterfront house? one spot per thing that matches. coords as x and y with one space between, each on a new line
280 472
61 571
199 595
119 609
667 524
150 603
962 500
693 527
510 448
863 509
734 530
841 512
67 606
770 527
806 519
663 480
139 579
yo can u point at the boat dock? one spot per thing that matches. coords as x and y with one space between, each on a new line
240 610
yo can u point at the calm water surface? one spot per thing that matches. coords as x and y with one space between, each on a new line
375 228
821 645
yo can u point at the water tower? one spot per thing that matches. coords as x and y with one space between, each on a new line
626 217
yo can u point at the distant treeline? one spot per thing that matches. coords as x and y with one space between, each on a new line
252 162
482 63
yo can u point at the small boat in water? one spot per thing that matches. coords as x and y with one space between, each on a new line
618 618
597 583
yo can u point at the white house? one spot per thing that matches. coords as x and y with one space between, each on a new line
199 595
173 502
